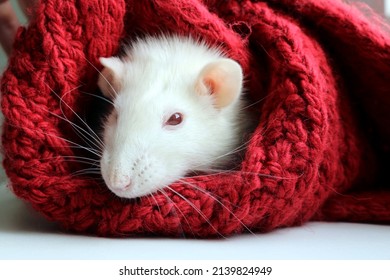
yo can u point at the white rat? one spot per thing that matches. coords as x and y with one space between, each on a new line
177 109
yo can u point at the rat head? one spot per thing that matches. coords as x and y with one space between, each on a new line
170 116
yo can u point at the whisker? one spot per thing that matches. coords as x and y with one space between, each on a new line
235 150
98 96
89 148
100 73
81 160
220 203
77 129
238 149
80 157
254 103
205 191
86 171
94 136
197 210
215 172
95 152
181 212
84 134
155 201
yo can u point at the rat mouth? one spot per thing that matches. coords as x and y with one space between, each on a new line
126 188
125 192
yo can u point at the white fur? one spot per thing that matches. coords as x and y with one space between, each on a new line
160 77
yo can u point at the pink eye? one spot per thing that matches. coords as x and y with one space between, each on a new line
175 119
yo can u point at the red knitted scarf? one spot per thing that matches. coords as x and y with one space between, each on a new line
320 67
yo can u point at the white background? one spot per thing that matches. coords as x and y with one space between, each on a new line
26 235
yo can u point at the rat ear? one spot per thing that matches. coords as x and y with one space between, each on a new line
110 77
223 80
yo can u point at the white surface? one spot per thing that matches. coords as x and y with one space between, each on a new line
25 235
387 8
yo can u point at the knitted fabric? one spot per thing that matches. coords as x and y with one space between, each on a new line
317 70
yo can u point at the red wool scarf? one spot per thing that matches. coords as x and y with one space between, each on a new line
321 69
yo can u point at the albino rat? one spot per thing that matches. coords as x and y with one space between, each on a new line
177 109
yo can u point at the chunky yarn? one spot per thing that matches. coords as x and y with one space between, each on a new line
318 72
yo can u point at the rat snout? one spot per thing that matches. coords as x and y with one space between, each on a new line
116 178
115 173
119 181
128 175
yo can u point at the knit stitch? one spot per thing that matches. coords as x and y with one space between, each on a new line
319 69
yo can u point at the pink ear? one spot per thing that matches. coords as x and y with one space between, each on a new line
223 79
110 77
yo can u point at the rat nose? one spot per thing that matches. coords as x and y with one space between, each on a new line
120 181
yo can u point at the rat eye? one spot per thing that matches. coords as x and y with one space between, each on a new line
175 119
